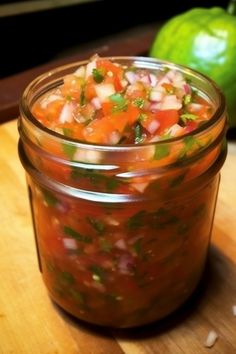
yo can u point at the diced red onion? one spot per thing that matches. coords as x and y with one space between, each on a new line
131 77
156 96
153 126
187 89
70 243
152 79
126 264
96 103
66 115
175 130
145 79
103 91
121 244
155 106
114 137
171 102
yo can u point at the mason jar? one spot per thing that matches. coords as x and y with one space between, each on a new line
122 232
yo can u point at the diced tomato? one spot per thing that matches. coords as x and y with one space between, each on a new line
89 90
72 86
107 108
166 119
107 65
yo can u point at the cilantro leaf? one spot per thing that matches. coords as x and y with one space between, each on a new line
121 103
98 75
188 116
139 102
138 134
161 151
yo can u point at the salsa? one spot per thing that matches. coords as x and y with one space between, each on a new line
108 103
123 186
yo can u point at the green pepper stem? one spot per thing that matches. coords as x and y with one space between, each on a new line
231 9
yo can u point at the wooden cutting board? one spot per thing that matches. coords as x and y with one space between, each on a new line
31 324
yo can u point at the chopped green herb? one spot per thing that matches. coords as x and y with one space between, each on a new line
66 278
142 117
98 273
177 180
138 133
117 98
188 116
49 198
137 220
77 296
82 99
137 247
139 102
120 103
96 224
187 99
189 142
76 235
95 178
105 245
98 75
69 150
67 131
161 151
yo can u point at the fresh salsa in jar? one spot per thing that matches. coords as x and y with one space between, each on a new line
122 158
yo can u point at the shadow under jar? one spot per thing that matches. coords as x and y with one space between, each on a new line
122 231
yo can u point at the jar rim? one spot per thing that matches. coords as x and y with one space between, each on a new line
148 63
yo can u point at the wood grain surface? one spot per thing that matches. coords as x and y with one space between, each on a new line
31 324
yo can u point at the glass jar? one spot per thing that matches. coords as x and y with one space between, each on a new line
122 232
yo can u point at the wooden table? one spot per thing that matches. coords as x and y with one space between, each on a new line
31 324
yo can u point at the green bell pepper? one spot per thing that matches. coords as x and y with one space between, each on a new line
205 40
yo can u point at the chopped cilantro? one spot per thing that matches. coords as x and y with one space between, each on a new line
82 100
67 131
187 99
98 273
137 247
177 180
49 198
138 134
142 117
76 235
66 278
161 151
137 220
69 150
105 245
77 296
96 224
98 75
120 103
188 116
139 102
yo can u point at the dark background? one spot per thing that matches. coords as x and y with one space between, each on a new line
32 39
